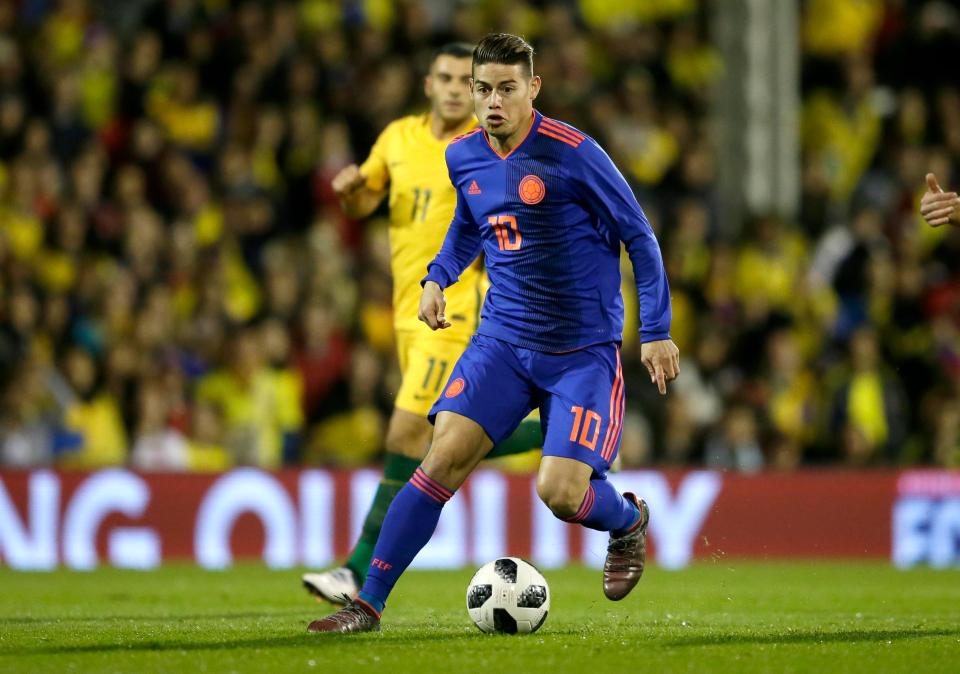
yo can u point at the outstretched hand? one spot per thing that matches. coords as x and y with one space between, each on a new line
938 207
433 306
662 359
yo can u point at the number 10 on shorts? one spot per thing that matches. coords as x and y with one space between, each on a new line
586 424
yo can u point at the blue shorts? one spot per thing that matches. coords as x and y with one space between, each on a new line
580 396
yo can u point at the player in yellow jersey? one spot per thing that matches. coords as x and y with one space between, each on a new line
407 163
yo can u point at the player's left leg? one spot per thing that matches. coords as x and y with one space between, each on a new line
576 494
583 417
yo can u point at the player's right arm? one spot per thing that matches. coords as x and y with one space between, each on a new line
361 189
938 207
357 198
460 248
433 306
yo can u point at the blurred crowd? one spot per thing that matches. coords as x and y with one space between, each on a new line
180 291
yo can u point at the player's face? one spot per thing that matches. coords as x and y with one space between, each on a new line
448 88
503 97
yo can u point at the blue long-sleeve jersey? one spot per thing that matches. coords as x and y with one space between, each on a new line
549 218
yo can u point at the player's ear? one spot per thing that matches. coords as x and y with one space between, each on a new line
428 86
471 84
534 87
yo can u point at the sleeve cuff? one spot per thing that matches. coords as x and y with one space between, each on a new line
436 274
653 336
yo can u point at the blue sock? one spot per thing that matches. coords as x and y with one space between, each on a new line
605 509
408 526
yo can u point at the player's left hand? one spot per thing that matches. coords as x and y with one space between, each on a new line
662 359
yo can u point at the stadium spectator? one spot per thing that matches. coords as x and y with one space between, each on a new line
261 416
164 193
867 404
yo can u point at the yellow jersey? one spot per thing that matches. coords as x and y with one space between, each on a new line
409 159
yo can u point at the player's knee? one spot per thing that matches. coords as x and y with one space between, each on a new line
458 445
450 459
443 463
446 465
563 499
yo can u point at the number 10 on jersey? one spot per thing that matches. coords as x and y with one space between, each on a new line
508 235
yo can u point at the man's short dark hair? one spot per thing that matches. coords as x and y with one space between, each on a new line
505 49
459 50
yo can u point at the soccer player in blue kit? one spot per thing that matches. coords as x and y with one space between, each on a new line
548 209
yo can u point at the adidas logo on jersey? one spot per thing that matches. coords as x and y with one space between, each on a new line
474 188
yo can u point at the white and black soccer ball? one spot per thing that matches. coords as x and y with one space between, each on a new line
508 595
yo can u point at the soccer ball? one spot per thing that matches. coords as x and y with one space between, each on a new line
508 595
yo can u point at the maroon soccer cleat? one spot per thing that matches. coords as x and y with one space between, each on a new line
626 555
356 616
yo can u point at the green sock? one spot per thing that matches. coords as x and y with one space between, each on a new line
528 436
397 471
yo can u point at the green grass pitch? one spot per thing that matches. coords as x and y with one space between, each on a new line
712 617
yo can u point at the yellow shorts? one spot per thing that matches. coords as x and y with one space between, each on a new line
426 360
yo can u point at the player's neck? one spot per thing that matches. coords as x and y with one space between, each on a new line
507 145
445 129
